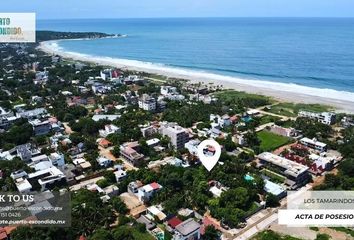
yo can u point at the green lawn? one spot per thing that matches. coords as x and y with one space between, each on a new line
267 119
271 141
247 99
292 109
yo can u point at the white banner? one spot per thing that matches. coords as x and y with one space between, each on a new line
17 27
299 217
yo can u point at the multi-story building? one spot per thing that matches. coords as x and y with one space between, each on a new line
314 144
57 159
178 135
147 103
146 192
40 127
324 117
129 152
46 177
297 174
31 114
167 90
222 121
286 132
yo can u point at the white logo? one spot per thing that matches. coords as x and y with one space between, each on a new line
209 152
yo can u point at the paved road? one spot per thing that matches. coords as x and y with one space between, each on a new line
264 222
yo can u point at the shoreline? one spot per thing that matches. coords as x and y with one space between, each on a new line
285 92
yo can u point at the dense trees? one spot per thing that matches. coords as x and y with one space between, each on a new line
187 114
312 129
19 133
211 233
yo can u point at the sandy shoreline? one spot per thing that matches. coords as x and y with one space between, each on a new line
342 101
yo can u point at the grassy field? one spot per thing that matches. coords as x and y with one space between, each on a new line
267 119
271 141
292 109
248 99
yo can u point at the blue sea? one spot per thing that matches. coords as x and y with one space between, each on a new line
311 52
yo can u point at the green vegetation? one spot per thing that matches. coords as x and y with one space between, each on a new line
271 141
292 109
322 236
187 114
274 177
231 97
19 133
270 235
314 229
343 180
267 119
51 35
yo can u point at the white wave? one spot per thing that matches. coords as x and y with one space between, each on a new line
203 75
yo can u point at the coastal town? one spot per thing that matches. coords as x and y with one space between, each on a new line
124 145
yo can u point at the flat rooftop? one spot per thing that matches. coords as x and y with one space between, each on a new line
292 168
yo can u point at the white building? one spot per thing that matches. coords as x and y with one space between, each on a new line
147 103
22 185
47 176
98 117
146 192
324 117
167 90
57 159
109 129
192 146
314 144
103 162
153 142
222 121
120 175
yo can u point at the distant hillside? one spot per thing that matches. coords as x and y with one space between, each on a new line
53 35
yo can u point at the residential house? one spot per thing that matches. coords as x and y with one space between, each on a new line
120 175
46 177
57 159
129 151
147 103
327 118
37 113
104 162
109 129
40 127
146 192
187 230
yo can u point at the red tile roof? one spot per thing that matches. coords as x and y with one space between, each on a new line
173 222
3 236
104 142
155 185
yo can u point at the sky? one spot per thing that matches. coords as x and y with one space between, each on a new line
62 9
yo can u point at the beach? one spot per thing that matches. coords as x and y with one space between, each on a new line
342 101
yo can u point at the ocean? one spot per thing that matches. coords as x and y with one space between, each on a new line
311 52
